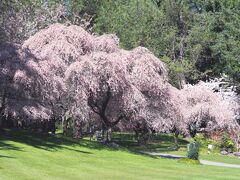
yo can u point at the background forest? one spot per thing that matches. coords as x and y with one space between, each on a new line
104 89
197 39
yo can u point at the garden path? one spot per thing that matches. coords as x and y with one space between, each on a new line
204 162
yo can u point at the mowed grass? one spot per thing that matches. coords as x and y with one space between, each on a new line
31 156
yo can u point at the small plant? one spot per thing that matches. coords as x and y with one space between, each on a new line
193 151
201 140
227 143
189 161
205 143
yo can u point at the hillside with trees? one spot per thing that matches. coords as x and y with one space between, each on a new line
100 70
198 40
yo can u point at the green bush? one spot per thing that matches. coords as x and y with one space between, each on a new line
227 143
203 141
193 151
189 161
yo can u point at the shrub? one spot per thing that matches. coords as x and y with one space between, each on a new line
189 161
203 141
227 143
193 151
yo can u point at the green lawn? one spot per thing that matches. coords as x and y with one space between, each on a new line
27 156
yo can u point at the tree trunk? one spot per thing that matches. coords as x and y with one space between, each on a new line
137 135
176 139
77 130
64 125
181 50
2 107
109 135
173 50
1 122
182 30
182 80
106 137
53 126
193 133
103 132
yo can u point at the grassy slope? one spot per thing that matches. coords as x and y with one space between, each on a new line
25 156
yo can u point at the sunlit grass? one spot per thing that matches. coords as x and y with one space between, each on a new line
31 156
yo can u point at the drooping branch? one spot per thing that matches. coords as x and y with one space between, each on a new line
95 108
68 60
117 121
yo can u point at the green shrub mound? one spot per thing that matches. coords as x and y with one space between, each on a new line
227 143
193 151
189 161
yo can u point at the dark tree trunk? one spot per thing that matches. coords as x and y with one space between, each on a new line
136 135
64 125
53 126
1 122
1 117
176 134
182 32
2 107
106 140
103 132
109 135
77 130
99 107
192 132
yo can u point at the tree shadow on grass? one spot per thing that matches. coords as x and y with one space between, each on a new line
39 141
6 146
10 157
58 142
50 142
159 143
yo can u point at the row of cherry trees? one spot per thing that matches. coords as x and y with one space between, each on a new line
65 74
